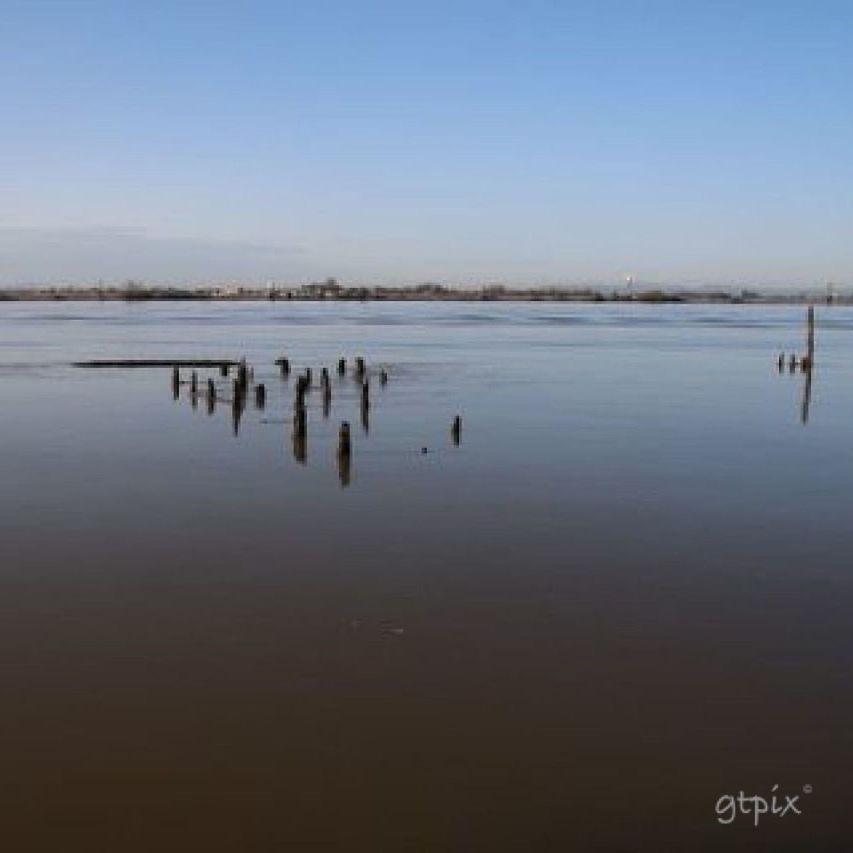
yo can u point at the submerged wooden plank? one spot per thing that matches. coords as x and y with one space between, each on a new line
157 362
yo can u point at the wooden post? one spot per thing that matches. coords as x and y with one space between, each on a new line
383 377
810 339
223 370
211 390
307 378
237 405
301 388
260 395
365 406
342 366
359 367
811 329
344 442
194 382
176 382
243 375
456 429
284 367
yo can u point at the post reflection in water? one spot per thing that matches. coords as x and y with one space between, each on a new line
807 396
237 406
344 464
300 447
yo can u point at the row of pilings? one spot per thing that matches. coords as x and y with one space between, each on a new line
243 386
805 363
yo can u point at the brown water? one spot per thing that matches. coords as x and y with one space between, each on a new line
626 593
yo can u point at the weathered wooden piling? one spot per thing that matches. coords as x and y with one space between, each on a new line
365 406
223 370
327 398
243 375
324 376
283 366
342 366
301 388
194 382
810 334
359 367
456 429
176 382
308 378
780 362
211 390
260 395
792 363
383 377
344 441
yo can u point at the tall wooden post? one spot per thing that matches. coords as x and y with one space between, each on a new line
810 343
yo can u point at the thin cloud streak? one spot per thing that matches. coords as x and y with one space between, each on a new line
35 255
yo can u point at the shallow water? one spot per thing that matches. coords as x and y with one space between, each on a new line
626 592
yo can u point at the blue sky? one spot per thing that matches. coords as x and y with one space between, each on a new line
531 142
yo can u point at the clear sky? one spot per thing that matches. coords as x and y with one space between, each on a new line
525 142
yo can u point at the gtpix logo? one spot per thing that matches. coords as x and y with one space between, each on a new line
729 806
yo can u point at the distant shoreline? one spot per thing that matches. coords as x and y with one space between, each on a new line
333 292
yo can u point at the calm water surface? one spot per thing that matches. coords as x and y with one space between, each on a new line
626 593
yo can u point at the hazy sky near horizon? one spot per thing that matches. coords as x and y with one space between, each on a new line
521 142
